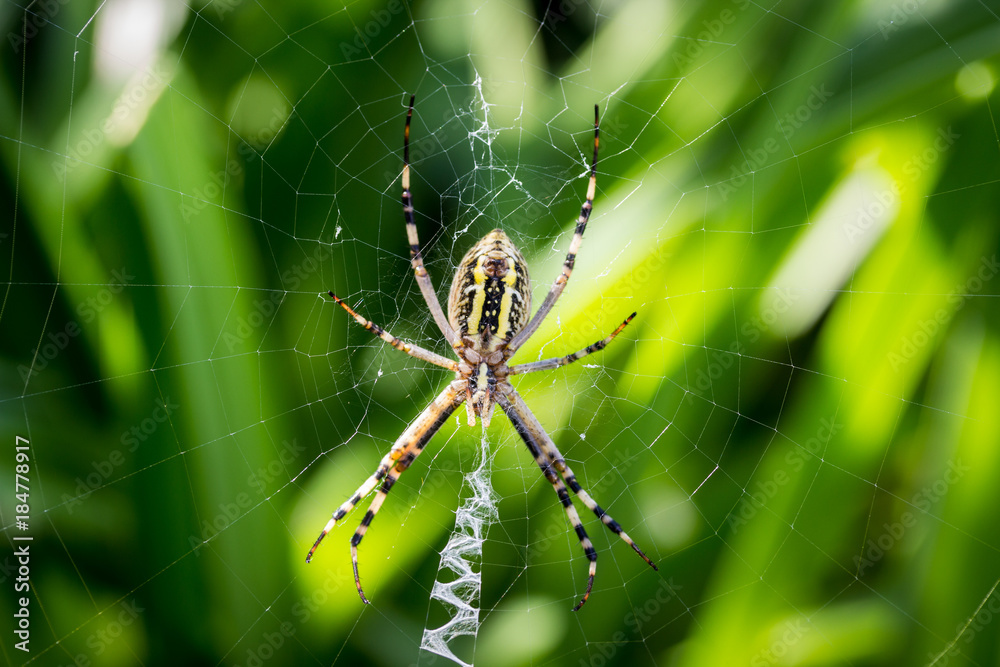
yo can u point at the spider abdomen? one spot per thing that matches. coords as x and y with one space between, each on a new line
490 298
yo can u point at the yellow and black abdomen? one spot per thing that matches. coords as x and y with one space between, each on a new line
490 297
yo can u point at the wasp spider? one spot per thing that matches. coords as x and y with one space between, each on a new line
488 321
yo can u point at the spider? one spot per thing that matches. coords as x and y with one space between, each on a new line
488 321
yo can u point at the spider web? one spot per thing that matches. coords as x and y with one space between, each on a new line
799 427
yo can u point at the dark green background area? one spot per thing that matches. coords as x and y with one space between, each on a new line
799 199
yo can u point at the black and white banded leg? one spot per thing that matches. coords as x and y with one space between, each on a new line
574 247
549 364
549 458
550 474
405 450
416 258
409 348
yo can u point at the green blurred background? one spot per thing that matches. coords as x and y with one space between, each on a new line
800 199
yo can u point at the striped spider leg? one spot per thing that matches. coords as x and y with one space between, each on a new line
409 348
574 247
556 362
489 307
551 462
404 452
416 258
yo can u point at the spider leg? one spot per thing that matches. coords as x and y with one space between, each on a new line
410 454
417 259
548 364
406 448
531 440
408 348
574 248
528 426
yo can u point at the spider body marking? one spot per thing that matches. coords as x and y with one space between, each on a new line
489 319
489 302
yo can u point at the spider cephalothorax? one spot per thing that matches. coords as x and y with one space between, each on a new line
489 310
